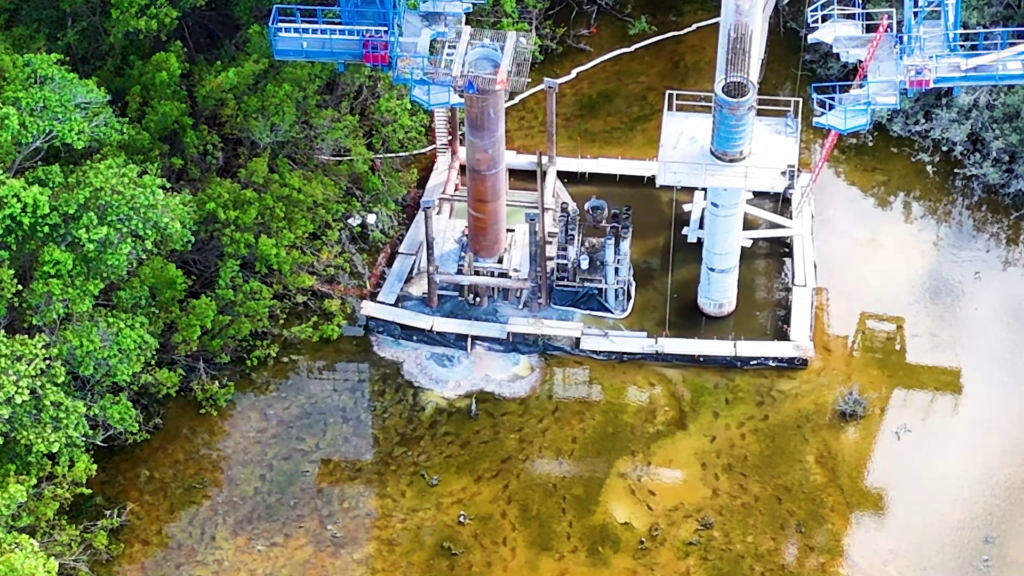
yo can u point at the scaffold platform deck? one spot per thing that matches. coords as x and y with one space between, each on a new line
684 153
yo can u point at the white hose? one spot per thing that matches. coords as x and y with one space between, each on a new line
540 87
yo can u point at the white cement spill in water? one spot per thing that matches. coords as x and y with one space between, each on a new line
453 373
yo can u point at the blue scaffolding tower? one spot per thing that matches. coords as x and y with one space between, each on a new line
430 48
929 51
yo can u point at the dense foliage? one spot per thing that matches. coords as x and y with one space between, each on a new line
162 213
980 129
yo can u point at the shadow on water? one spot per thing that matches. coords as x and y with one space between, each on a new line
318 466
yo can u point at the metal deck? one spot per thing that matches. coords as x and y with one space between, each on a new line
684 154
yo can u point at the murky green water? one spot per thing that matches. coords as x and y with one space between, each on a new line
317 468
667 268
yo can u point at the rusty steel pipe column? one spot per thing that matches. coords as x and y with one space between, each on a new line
487 177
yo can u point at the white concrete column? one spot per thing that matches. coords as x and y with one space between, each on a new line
720 266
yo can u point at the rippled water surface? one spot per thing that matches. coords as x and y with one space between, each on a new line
326 463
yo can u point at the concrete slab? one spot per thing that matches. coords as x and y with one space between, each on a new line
685 160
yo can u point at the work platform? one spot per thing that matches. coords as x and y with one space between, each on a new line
532 271
399 309
684 154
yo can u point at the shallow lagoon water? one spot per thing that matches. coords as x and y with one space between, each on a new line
318 466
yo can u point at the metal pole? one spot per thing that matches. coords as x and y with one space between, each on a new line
551 87
531 219
428 235
543 234
671 258
453 133
610 293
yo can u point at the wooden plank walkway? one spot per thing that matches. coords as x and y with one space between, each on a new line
408 251
696 347
626 345
591 339
799 269
470 327
567 164
774 349
397 275
542 327
396 314
801 315
618 333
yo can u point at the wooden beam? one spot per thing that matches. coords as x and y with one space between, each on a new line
769 216
551 88
746 242
470 328
397 276
693 231
501 82
482 281
396 314
460 52
542 327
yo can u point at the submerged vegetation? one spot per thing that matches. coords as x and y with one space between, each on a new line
851 406
662 470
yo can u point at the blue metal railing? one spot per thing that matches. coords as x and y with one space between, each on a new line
355 32
421 70
827 96
981 58
823 11
849 107
826 11
952 18
432 97
447 6
959 42
381 13
987 40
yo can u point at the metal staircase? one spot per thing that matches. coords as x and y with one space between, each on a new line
931 51
856 35
442 132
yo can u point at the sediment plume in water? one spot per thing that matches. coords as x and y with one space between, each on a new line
453 373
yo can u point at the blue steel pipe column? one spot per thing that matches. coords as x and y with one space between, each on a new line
732 134
733 116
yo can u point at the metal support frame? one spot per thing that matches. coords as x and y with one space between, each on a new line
543 233
786 227
551 91
534 249
427 206
372 32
